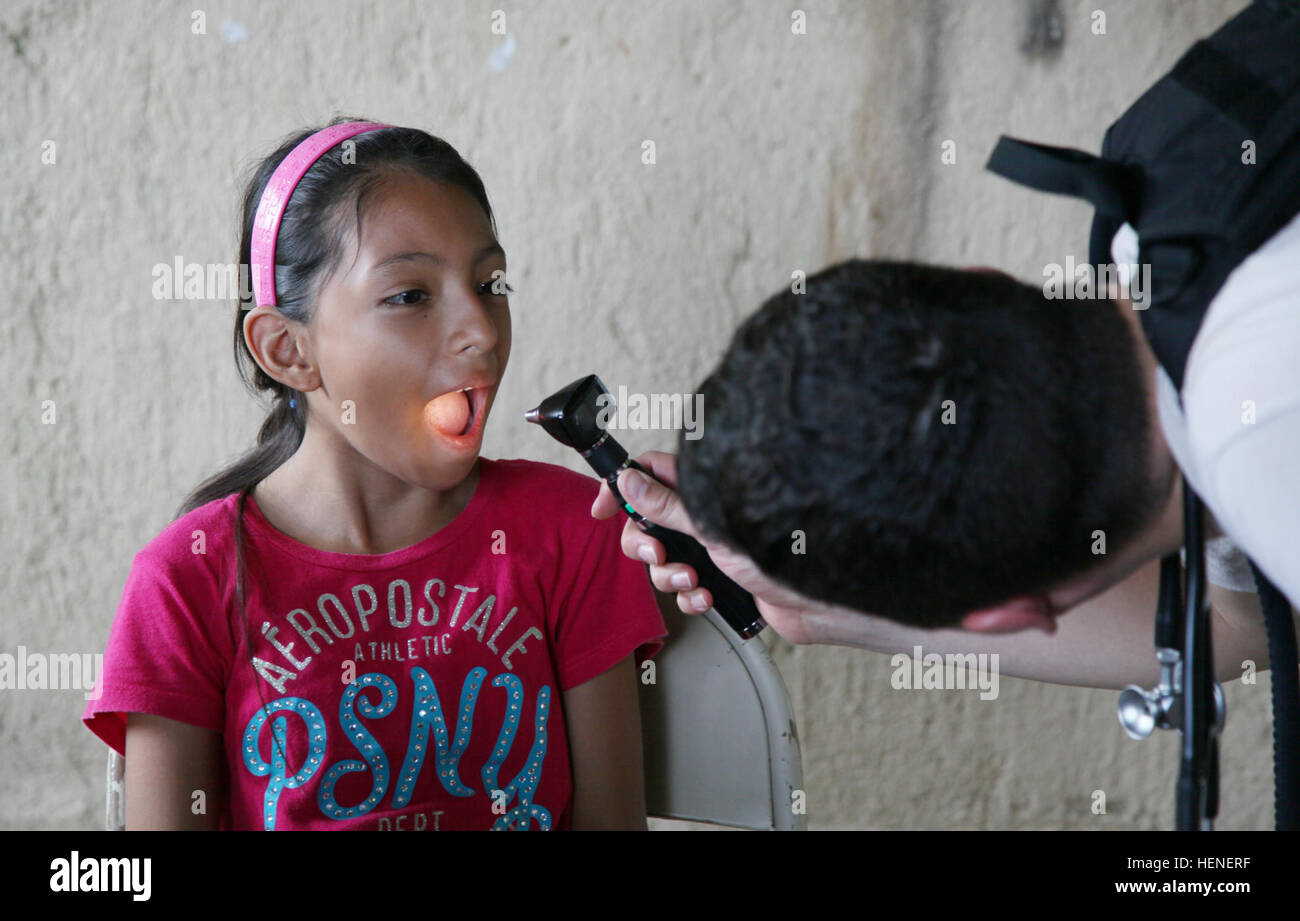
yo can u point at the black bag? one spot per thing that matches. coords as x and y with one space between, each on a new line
1205 166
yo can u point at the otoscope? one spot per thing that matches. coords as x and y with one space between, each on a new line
571 417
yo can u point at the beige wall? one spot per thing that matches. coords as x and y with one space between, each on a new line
775 152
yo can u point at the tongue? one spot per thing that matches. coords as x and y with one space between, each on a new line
449 413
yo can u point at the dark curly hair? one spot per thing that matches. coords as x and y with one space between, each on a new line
945 440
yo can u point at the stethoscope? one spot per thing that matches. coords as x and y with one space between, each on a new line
1187 698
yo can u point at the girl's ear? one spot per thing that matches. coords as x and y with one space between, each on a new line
274 344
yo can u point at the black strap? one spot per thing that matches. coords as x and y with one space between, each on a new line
1286 702
1063 170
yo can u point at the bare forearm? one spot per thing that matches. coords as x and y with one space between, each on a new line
1105 642
604 722
174 779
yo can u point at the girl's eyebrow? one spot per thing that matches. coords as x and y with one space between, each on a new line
491 250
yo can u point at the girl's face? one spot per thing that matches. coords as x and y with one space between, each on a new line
413 316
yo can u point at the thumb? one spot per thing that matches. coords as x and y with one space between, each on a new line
655 501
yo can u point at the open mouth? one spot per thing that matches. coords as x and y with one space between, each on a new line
458 414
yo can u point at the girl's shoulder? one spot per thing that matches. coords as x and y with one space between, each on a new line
203 535
182 575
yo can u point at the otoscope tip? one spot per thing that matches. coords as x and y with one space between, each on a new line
533 415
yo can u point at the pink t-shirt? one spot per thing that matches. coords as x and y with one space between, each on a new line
405 687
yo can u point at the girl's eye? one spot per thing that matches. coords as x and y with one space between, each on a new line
404 300
417 296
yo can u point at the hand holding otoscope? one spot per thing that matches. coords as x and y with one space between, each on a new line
570 416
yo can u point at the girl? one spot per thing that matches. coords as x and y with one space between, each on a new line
361 623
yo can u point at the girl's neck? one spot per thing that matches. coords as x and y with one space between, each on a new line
340 502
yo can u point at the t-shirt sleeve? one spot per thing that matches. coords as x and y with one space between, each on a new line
606 608
164 653
1254 480
1241 398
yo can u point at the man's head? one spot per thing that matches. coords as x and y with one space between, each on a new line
921 442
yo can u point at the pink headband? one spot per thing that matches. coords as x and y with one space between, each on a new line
270 210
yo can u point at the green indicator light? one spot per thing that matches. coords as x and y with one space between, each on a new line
630 510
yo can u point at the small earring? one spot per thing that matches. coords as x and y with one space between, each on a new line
293 403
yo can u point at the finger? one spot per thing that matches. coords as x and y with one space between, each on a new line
675 577
655 501
662 464
605 504
694 602
640 546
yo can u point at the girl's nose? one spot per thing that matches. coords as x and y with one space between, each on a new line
471 325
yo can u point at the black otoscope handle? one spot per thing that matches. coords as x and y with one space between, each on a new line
730 600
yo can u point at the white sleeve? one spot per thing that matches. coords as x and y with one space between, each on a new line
1241 401
1255 478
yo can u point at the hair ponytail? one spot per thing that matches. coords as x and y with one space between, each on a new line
277 440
